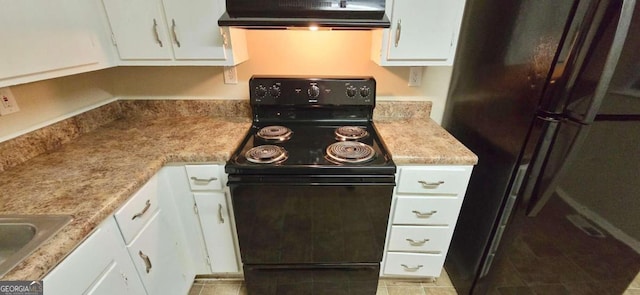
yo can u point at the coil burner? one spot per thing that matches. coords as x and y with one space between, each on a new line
350 133
266 154
275 133
349 152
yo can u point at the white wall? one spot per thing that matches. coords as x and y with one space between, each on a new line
45 102
278 52
282 52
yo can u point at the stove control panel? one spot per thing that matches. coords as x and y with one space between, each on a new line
279 90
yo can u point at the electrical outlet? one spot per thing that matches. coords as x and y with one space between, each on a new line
230 75
8 103
415 76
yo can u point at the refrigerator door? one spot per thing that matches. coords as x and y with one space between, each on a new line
584 100
502 62
602 55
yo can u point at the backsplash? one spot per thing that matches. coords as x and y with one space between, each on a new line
20 149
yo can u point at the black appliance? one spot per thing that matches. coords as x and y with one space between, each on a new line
311 187
531 79
280 14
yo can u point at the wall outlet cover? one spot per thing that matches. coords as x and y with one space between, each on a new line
415 76
230 75
8 102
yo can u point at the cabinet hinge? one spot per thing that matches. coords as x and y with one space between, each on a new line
195 209
113 39
208 260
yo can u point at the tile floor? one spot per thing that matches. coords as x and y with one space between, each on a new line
552 256
440 286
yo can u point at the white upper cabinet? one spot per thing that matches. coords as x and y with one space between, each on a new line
422 33
172 32
139 29
48 39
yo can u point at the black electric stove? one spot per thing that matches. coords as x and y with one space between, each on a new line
311 187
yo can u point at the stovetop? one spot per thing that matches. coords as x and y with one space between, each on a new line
312 109
306 151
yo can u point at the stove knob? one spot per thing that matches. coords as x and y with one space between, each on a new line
351 91
313 91
275 91
365 91
261 91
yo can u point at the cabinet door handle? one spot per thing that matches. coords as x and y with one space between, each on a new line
155 32
175 34
398 31
220 217
417 243
144 210
424 214
203 181
147 261
411 269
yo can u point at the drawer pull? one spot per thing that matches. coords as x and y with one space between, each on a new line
424 214
417 243
147 261
411 269
202 181
144 210
220 217
426 184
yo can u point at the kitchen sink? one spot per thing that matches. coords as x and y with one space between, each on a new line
22 234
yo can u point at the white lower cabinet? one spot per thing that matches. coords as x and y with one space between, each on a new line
215 214
160 259
218 233
135 251
414 264
100 265
425 208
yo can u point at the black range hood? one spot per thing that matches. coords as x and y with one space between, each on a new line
282 14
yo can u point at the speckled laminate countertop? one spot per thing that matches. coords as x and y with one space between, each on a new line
91 176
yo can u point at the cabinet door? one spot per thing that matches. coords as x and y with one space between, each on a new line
428 36
100 265
217 230
139 29
194 29
42 36
160 259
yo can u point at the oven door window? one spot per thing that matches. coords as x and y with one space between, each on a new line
296 224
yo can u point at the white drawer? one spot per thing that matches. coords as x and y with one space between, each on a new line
413 264
135 213
204 177
418 210
431 239
437 180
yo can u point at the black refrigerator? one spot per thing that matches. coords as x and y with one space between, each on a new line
531 79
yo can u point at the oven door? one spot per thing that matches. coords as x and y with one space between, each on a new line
304 221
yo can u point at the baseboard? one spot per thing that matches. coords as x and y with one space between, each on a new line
599 220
